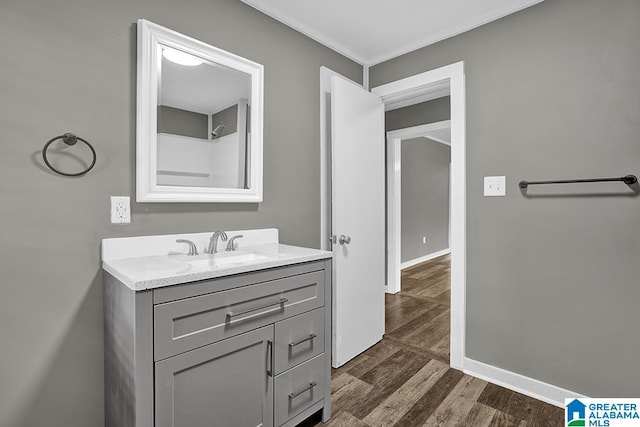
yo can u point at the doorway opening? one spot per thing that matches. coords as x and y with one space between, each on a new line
418 316
448 80
435 176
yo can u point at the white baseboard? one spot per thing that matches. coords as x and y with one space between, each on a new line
422 259
528 386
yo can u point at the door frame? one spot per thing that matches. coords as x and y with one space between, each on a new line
394 197
415 87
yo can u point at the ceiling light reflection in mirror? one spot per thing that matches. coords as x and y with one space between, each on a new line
181 58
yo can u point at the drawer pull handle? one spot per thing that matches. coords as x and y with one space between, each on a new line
309 338
298 393
251 310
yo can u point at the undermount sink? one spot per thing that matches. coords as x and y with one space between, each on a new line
217 261
149 262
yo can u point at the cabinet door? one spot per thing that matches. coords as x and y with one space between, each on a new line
223 384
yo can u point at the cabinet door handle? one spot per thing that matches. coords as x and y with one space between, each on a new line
270 355
309 338
298 393
251 310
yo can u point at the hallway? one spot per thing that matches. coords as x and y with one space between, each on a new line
405 379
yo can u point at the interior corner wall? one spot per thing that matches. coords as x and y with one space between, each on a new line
552 92
70 66
227 117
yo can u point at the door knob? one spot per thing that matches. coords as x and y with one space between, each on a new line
344 240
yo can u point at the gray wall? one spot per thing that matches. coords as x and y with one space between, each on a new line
425 197
227 117
435 110
552 279
182 122
70 65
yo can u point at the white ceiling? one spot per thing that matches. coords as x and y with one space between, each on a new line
372 31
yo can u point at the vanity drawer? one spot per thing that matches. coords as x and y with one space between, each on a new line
186 324
203 287
299 338
299 388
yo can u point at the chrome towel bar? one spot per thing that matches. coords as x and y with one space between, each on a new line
628 179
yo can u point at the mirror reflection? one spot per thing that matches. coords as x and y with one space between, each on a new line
203 124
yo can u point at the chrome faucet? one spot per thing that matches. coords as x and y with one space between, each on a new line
193 250
230 246
213 241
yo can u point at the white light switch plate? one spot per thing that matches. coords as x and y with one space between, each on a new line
495 186
120 210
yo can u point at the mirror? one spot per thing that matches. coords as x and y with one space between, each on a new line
199 121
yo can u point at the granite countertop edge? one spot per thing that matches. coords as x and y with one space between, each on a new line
136 274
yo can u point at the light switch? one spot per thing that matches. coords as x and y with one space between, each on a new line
495 186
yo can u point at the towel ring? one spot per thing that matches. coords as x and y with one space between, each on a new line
69 139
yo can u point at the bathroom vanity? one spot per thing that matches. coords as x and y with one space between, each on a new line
234 338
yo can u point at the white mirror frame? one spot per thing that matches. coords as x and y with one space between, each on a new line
147 188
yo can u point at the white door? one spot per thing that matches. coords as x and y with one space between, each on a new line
357 216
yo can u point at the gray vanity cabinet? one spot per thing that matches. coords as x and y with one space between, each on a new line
248 350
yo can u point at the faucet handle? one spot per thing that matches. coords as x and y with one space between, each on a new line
193 249
230 244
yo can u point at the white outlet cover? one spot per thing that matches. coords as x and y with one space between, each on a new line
120 210
495 186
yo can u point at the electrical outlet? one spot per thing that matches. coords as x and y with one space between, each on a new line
424 240
495 186
120 210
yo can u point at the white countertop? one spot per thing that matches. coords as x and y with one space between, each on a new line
164 270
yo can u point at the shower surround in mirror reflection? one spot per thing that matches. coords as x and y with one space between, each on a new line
196 96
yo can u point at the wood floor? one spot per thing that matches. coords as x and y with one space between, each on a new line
405 379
